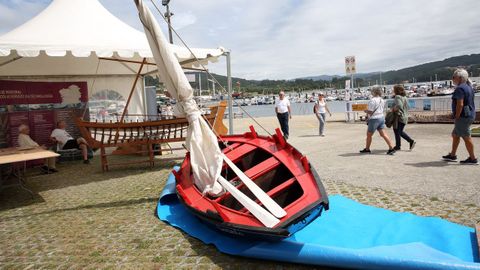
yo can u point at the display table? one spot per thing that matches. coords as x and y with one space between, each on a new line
17 159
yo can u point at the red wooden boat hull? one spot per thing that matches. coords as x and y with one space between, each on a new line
277 168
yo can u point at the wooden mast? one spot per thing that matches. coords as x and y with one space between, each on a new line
130 97
133 89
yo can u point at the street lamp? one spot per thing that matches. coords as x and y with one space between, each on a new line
168 14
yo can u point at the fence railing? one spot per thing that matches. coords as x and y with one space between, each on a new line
421 110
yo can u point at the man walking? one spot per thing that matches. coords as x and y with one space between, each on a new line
463 108
282 108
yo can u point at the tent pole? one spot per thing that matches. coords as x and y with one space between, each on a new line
229 88
145 112
126 61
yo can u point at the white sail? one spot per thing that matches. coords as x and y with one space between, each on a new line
201 142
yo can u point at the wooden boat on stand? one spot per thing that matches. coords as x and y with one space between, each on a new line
142 137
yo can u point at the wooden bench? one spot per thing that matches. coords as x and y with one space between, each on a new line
141 137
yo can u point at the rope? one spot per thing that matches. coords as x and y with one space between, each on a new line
91 87
205 69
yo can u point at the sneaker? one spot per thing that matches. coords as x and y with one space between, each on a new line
323 135
449 157
412 145
396 148
365 151
53 170
391 152
285 136
469 161
86 161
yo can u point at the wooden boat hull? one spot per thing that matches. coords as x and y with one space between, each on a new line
277 168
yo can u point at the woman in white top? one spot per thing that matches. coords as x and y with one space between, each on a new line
320 110
376 121
24 140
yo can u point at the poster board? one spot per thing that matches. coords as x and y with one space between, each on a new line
40 105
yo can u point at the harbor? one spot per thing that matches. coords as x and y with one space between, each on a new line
238 136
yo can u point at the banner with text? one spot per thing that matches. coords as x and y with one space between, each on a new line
39 105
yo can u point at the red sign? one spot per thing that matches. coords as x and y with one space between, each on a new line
39 105
18 92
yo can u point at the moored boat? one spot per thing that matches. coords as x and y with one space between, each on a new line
277 168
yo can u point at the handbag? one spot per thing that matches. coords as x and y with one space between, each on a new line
390 118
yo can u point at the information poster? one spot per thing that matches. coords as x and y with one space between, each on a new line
15 119
412 104
40 105
427 105
41 125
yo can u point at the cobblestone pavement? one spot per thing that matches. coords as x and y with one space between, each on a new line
83 218
420 171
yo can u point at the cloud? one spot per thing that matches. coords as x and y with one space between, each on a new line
287 39
16 12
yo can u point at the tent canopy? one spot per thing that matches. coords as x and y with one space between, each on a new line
69 36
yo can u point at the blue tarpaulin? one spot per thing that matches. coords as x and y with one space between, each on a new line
350 235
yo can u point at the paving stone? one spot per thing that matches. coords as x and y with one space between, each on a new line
82 218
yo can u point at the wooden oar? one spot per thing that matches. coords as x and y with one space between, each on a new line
263 197
257 211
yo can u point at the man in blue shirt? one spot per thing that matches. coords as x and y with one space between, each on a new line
463 109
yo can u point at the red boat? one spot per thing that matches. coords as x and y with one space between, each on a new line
273 165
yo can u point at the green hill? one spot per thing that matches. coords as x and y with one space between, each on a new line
442 70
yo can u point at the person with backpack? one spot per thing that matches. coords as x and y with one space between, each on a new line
320 109
463 109
400 108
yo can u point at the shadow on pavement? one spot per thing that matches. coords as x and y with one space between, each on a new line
357 154
308 136
90 206
74 174
439 163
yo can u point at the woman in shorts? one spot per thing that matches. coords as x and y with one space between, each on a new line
376 121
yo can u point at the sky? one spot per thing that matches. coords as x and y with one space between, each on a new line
286 39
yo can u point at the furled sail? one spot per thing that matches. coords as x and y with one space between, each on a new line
201 142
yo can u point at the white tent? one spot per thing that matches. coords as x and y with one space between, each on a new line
67 41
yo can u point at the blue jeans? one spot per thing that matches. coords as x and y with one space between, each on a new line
283 119
400 133
321 118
